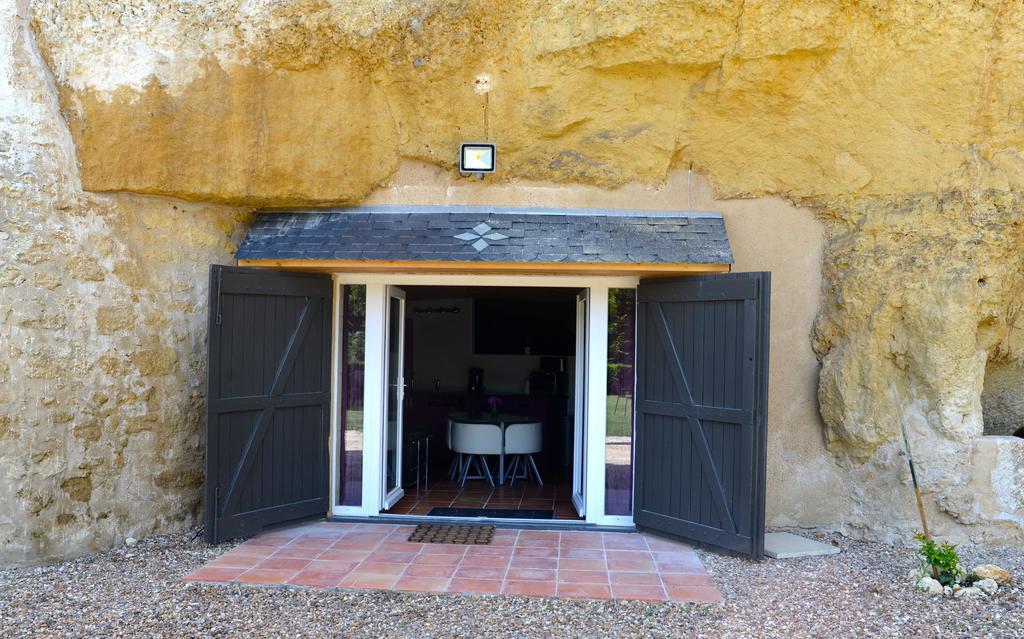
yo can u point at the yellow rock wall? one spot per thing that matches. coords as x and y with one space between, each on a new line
102 335
898 124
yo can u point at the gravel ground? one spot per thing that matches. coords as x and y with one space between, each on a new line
135 592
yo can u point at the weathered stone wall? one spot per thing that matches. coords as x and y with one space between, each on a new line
898 124
102 345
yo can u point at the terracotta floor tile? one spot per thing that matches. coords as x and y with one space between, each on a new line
363 535
480 572
393 557
356 544
378 582
317 578
528 562
625 544
312 542
529 588
488 561
401 546
581 553
343 555
546 563
289 552
630 565
448 549
236 561
331 530
440 560
540 534
646 593
672 557
422 584
694 593
380 568
692 566
666 545
533 542
584 591
687 579
521 551
590 541
214 573
265 576
478 551
268 540
337 566
635 555
252 551
582 576
635 579
478 586
283 563
566 563
431 570
531 574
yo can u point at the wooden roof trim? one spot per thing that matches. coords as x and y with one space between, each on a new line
490 268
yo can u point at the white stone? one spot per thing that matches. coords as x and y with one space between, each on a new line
970 593
784 545
987 586
130 541
930 586
946 590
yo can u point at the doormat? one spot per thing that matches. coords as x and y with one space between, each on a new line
498 513
444 534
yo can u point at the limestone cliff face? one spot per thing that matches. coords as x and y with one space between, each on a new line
315 101
899 123
102 304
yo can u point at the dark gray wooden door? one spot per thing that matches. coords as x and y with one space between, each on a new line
268 399
701 409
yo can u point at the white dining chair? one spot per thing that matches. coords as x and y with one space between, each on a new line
522 441
473 442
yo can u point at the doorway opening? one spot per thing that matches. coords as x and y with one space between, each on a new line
482 409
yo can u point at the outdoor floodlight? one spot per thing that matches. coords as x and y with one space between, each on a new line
477 157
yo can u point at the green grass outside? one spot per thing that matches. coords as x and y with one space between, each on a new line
619 418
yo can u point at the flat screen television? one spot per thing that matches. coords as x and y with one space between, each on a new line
534 327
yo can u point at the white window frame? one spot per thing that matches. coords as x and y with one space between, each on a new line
373 393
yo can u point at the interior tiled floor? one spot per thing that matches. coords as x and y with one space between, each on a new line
583 565
555 494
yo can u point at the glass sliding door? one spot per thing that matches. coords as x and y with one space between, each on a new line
618 441
394 350
579 442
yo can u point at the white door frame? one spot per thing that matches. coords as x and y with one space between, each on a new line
375 380
389 499
579 426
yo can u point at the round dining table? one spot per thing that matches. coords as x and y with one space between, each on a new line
500 419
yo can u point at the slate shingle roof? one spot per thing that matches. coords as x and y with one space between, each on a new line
470 234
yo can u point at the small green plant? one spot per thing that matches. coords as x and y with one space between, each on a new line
942 559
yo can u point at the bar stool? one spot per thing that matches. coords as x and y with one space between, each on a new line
521 442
